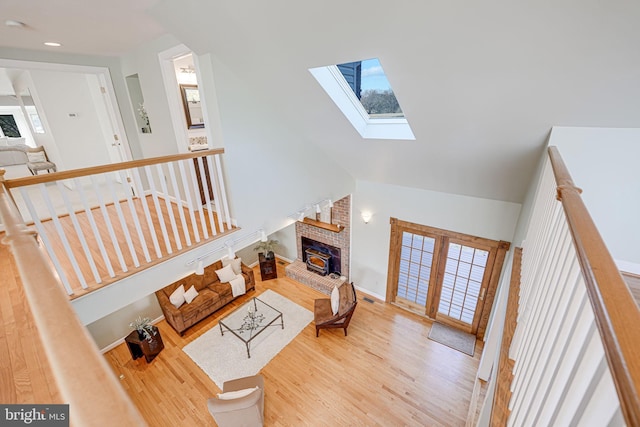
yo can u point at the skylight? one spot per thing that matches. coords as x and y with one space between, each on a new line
362 92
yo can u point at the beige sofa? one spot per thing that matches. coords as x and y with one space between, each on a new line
212 295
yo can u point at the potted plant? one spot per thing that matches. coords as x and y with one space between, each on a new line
144 327
267 248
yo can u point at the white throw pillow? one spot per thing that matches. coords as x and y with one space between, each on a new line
226 274
177 297
36 157
235 264
190 294
335 300
236 394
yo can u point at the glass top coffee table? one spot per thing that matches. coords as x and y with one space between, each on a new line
250 320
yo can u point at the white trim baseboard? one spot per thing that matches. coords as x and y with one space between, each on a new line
628 267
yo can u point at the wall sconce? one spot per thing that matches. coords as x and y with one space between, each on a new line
366 216
200 268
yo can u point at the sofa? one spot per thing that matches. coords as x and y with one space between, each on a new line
212 295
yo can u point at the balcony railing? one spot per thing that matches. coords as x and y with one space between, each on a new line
100 224
575 350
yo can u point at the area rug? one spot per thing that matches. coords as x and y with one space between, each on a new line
452 337
224 358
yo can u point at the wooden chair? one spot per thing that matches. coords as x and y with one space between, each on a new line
37 160
323 315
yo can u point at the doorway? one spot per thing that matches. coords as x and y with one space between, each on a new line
71 111
447 276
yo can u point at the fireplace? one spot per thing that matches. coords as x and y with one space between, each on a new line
320 258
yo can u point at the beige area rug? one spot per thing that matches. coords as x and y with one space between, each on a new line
224 357
452 337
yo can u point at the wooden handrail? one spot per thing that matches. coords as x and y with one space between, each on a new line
504 376
111 167
616 314
82 374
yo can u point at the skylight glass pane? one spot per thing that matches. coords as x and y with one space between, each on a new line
371 86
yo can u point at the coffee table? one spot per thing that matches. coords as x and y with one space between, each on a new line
250 320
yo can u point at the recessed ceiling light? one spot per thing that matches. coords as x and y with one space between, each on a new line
14 23
52 44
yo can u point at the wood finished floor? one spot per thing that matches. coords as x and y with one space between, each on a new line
386 372
25 374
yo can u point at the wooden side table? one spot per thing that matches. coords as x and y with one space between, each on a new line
267 267
149 348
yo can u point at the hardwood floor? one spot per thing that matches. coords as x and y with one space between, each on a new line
385 372
25 374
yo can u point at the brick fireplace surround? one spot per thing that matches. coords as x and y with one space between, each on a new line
341 215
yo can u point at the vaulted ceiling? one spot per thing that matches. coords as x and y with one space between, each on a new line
481 83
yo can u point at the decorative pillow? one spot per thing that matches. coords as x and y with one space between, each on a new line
177 297
226 274
236 394
36 157
335 300
235 264
190 295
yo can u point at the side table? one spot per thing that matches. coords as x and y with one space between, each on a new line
149 348
267 267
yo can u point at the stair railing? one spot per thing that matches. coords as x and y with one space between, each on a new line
576 346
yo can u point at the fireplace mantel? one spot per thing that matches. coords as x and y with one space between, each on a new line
336 228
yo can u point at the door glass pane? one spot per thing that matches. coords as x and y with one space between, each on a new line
462 282
416 256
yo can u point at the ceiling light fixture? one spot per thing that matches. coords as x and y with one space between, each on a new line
14 23
52 44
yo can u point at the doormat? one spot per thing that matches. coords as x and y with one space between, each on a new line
452 337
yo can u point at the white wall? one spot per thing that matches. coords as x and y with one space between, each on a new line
604 163
145 63
79 139
271 171
490 219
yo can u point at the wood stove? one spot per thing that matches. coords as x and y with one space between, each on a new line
318 262
320 258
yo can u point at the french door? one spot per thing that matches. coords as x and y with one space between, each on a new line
450 277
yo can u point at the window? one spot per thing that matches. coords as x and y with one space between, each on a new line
370 85
362 92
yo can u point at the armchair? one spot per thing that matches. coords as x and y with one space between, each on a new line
323 315
246 410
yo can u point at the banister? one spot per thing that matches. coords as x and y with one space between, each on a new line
82 375
616 314
111 167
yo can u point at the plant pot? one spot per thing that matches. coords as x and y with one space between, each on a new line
269 255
